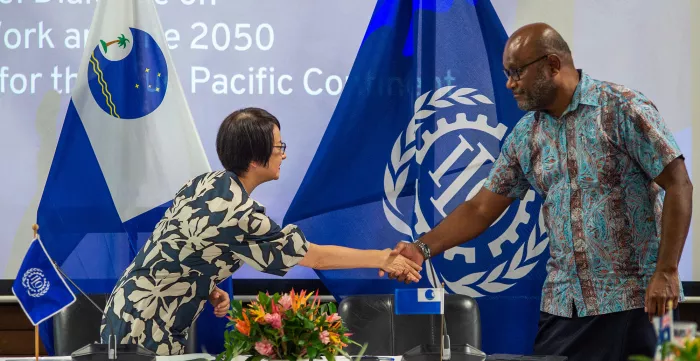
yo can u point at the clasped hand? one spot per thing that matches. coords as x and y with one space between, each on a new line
406 254
399 266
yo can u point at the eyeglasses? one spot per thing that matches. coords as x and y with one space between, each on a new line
282 147
516 73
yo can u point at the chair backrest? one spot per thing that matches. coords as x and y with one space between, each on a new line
79 324
371 320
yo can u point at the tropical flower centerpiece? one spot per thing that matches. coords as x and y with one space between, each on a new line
287 326
688 350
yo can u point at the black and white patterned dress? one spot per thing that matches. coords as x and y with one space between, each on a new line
210 228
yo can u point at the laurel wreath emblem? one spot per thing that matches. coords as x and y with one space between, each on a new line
32 290
405 148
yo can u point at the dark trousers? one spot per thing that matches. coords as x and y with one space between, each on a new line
610 337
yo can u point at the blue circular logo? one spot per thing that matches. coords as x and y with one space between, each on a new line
134 85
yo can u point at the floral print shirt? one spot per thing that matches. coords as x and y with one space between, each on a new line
595 168
211 227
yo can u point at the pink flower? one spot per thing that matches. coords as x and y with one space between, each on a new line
325 337
264 348
333 318
274 320
285 302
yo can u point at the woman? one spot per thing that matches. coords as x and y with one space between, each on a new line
210 229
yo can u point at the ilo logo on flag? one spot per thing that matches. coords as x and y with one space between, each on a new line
419 301
35 282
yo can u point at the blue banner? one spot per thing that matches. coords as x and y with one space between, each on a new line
415 132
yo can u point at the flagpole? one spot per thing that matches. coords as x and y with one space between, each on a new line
442 323
35 227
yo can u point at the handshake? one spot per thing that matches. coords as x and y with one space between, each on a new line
403 263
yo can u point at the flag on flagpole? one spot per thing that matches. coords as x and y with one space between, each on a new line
419 301
417 128
127 145
39 287
664 333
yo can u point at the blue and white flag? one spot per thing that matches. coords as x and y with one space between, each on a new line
663 326
415 133
127 145
419 301
39 288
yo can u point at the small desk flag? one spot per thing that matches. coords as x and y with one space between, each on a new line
40 289
419 301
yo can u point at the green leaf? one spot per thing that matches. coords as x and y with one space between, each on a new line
264 300
236 308
312 353
254 358
331 308
362 351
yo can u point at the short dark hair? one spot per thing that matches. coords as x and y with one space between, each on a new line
246 136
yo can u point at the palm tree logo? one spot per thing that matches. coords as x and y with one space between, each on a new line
121 42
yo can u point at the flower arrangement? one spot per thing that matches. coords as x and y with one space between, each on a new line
688 351
286 326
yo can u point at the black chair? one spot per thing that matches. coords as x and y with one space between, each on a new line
371 320
79 324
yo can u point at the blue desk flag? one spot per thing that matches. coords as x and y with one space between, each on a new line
419 301
40 289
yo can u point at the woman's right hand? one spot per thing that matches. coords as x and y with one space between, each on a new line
398 265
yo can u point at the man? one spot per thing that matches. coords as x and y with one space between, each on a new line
602 158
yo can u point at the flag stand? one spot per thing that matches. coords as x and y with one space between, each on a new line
35 228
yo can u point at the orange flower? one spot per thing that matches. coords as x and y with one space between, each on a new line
335 338
300 300
258 311
335 325
243 326
317 300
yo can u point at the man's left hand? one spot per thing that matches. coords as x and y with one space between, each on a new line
221 302
663 287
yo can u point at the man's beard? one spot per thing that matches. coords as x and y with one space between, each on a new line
541 95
